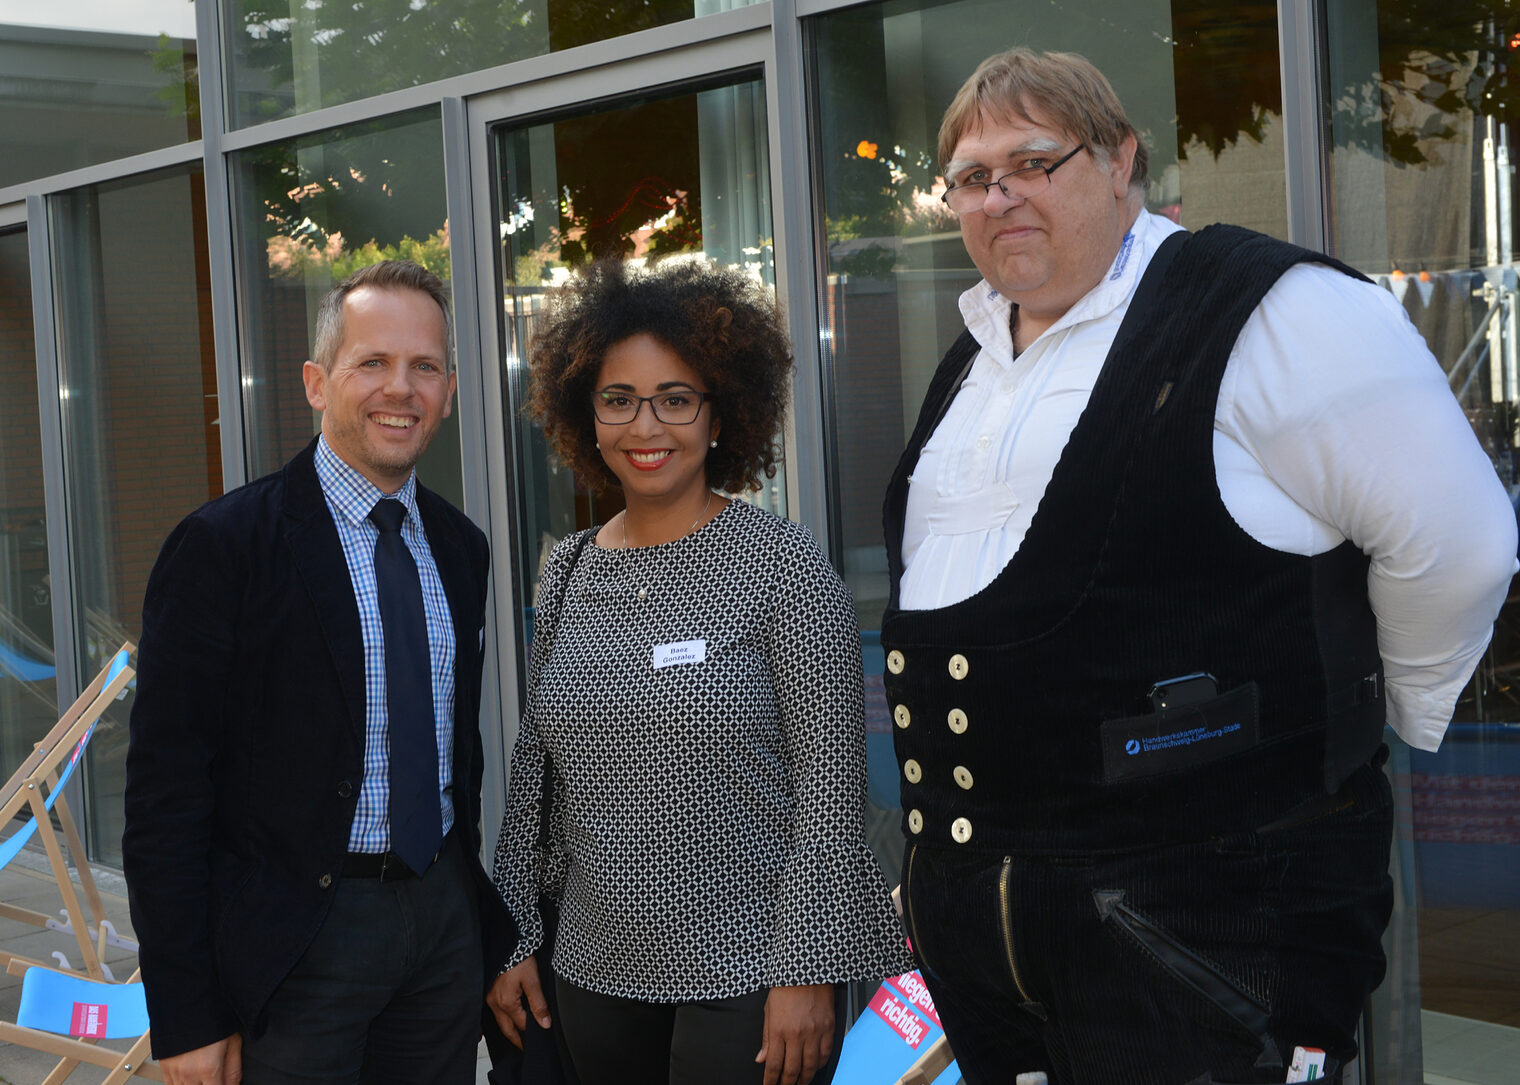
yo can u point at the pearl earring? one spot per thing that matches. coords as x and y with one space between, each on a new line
599 446
713 443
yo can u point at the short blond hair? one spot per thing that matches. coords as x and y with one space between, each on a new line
1067 90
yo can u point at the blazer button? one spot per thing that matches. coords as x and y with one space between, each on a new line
963 777
902 716
960 828
912 771
345 789
959 667
895 661
915 822
958 721
325 881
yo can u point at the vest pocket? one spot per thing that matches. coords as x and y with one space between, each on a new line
1177 739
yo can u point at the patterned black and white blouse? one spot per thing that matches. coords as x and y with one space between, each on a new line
701 704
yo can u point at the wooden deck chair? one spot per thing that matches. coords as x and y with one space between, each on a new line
39 784
63 1013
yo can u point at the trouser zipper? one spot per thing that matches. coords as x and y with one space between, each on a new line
1005 894
907 898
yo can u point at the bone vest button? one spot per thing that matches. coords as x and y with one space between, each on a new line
895 661
959 668
915 821
963 777
912 771
960 829
957 720
902 716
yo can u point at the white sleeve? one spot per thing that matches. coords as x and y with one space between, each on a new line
1333 391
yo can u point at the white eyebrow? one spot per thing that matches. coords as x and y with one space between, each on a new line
1039 145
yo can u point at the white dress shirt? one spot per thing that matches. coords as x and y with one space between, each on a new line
1334 422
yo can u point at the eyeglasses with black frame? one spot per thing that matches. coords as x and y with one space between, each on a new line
676 407
1021 183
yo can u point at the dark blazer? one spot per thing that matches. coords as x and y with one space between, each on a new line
247 745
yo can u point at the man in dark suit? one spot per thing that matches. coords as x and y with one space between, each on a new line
303 780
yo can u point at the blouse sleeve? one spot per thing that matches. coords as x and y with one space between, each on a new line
523 869
834 919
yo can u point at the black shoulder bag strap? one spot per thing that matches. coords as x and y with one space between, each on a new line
546 797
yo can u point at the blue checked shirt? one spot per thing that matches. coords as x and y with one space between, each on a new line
350 496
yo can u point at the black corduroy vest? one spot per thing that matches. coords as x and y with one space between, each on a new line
1023 714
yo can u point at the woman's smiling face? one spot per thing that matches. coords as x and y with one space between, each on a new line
655 461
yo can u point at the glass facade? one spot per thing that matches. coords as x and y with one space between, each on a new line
800 148
292 57
1421 199
28 678
140 412
686 173
308 212
86 82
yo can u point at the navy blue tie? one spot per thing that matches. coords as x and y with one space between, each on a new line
415 814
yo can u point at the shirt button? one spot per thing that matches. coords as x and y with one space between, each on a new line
324 881
959 668
345 789
1008 385
960 828
912 771
895 661
984 442
915 822
963 777
958 721
643 594
902 716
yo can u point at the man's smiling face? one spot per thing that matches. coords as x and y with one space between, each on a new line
1046 251
389 386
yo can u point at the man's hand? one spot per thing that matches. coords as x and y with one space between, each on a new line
799 1033
220 1063
506 1000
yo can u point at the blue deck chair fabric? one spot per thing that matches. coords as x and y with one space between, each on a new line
70 1005
20 667
898 1026
18 840
37 788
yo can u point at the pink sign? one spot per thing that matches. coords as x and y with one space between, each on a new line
902 1020
89 1020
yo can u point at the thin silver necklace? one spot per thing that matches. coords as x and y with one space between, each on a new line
688 531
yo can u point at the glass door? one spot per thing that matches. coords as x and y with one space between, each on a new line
682 171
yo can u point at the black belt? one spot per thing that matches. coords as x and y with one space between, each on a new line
387 866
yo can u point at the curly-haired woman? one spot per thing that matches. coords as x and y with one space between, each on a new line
694 715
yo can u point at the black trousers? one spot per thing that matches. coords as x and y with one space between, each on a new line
620 1041
389 991
1184 965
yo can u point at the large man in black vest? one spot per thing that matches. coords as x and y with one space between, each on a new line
303 780
1184 519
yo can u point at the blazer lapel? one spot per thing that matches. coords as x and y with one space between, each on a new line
318 557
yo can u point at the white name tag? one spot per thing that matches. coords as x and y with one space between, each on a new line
685 651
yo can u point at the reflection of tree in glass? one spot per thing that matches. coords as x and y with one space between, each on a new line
360 48
351 196
629 181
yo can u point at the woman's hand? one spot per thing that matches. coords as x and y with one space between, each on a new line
506 1000
799 1033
